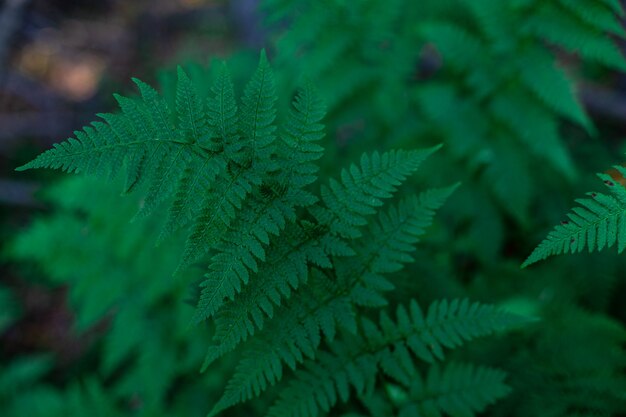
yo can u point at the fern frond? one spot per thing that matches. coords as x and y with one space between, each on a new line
295 332
301 131
237 254
96 150
391 241
222 111
218 210
246 169
285 270
198 177
459 390
444 326
356 361
190 109
316 248
223 121
599 222
191 128
388 246
269 210
185 152
362 188
258 112
262 362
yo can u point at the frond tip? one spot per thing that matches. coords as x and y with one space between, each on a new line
599 222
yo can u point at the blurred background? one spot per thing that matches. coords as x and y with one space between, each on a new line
526 116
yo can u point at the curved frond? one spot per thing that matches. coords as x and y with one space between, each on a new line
599 222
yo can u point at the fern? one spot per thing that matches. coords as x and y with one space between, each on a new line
599 222
387 247
295 336
202 151
398 70
295 266
457 390
287 268
294 333
357 361
275 204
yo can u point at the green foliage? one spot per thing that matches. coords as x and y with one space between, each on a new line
303 266
458 390
90 246
399 70
600 222
315 278
579 367
357 360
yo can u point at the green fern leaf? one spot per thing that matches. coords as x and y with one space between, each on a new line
222 109
317 248
388 246
362 188
271 209
301 131
191 129
190 109
295 332
355 362
284 272
247 167
222 119
444 326
187 151
459 390
600 222
218 210
258 112
197 178
399 232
